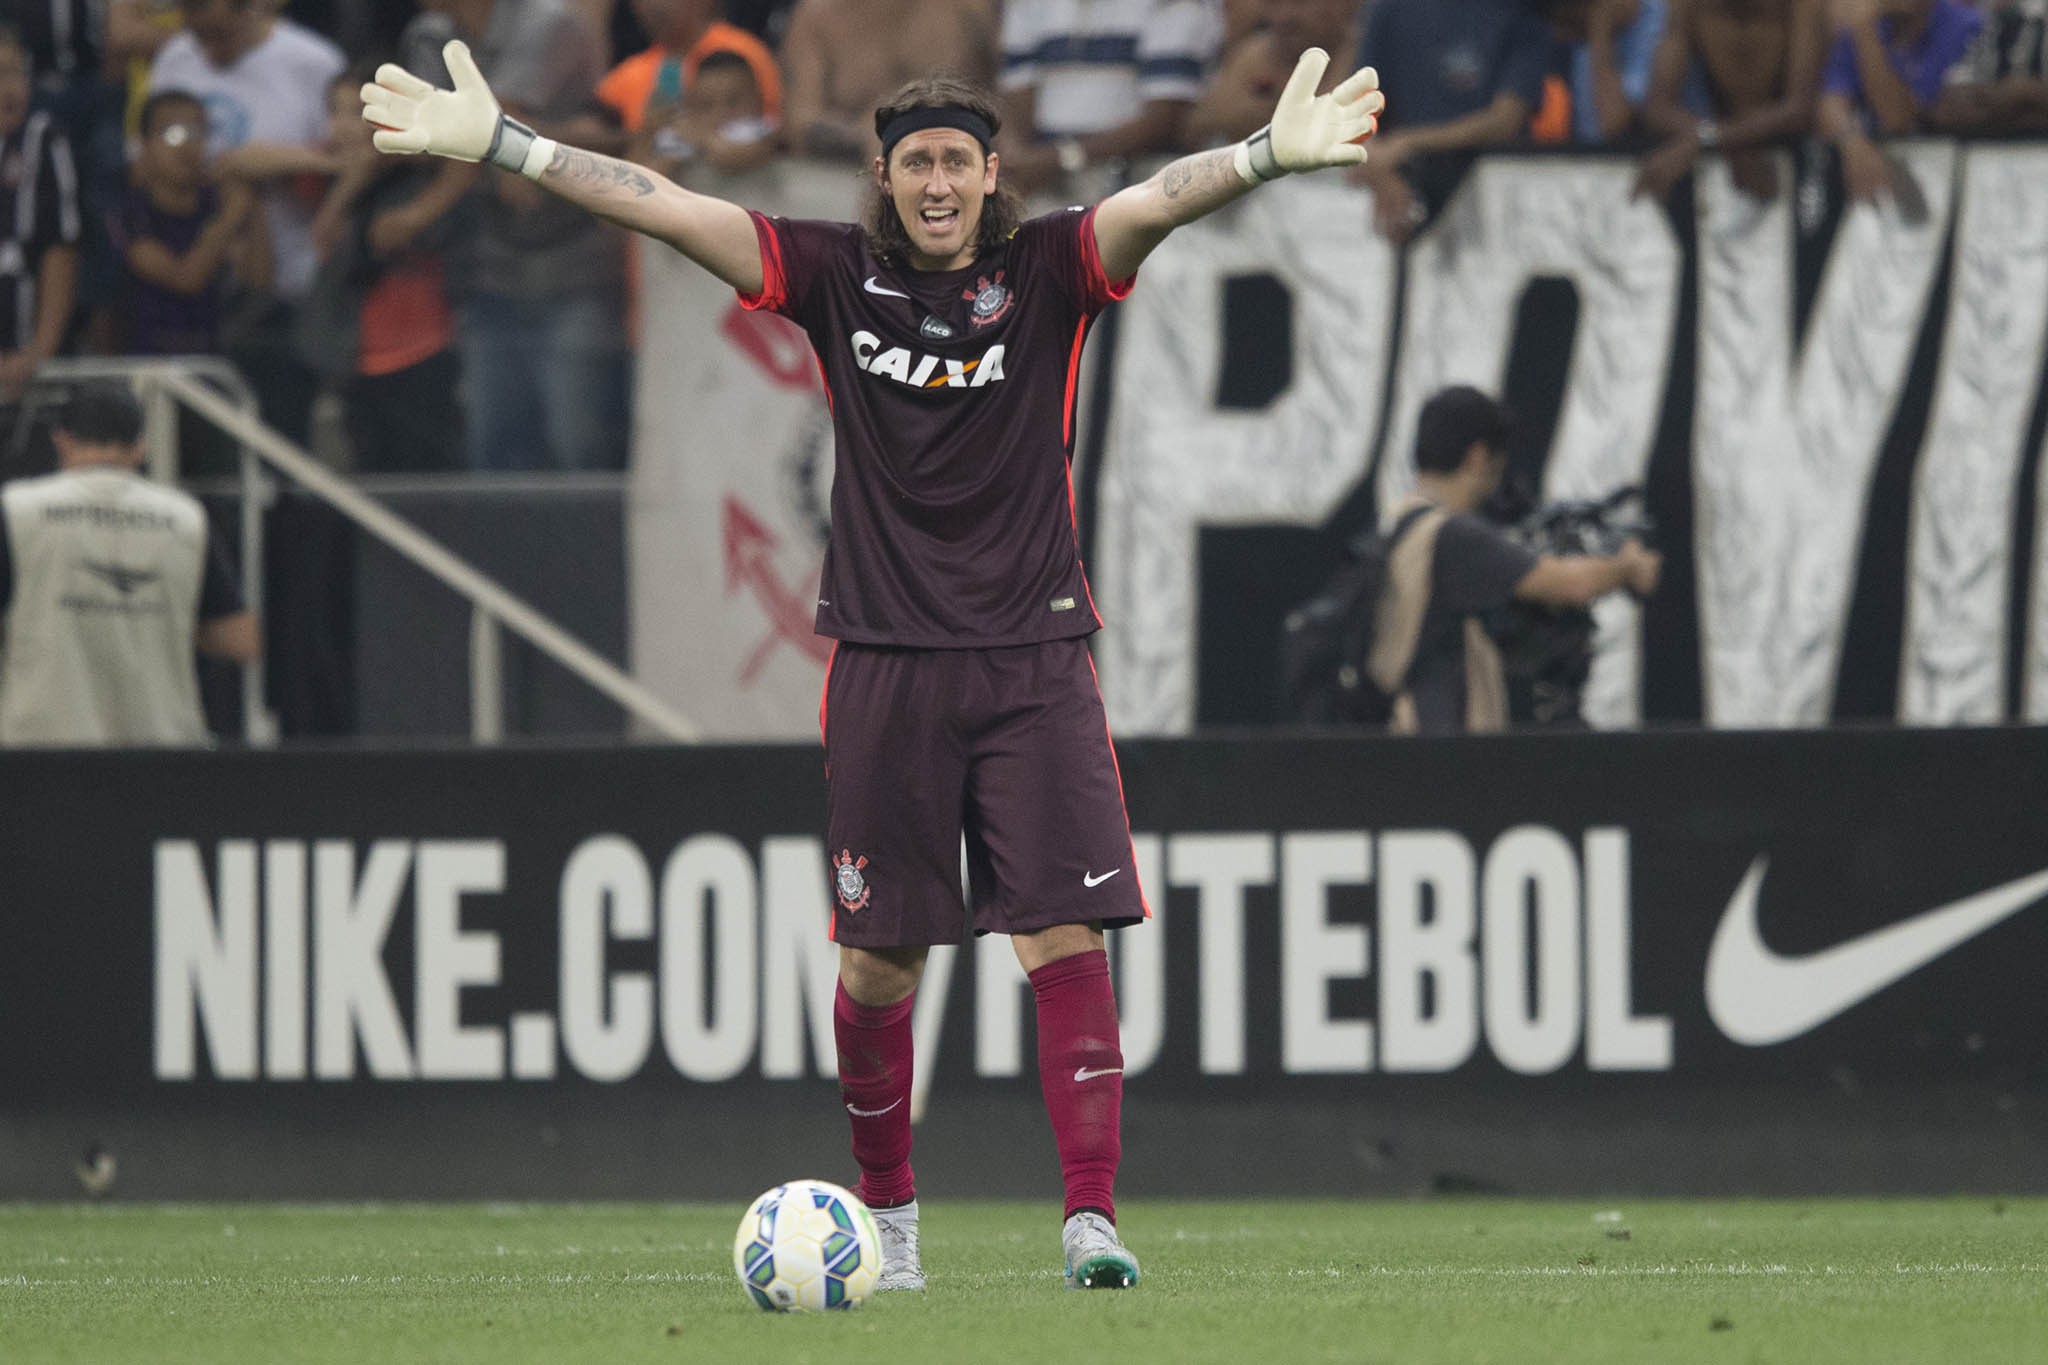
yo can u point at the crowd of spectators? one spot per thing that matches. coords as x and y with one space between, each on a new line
190 177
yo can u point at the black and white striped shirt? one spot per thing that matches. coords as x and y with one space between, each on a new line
38 210
62 36
2013 42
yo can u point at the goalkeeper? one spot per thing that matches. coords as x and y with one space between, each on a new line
960 702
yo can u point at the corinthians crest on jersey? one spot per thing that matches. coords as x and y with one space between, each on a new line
991 299
853 888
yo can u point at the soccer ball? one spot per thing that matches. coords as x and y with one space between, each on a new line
806 1247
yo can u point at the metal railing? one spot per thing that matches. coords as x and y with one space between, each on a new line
163 384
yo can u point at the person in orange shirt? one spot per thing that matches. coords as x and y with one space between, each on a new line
670 107
378 320
647 90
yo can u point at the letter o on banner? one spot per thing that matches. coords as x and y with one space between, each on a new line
1532 979
709 956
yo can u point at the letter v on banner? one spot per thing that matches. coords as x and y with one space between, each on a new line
1959 569
1786 436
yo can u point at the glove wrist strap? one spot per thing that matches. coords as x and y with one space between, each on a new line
1254 158
516 147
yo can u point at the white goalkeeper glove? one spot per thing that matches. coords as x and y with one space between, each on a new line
1310 131
464 123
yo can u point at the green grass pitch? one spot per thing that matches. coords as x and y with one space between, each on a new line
1271 1283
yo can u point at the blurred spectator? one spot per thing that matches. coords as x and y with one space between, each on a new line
842 58
1242 18
378 319
136 31
706 90
767 20
722 121
1889 64
178 235
2002 84
1760 63
1611 46
1086 81
1448 568
263 81
180 240
108 582
1470 74
537 282
40 228
66 44
1239 99
63 41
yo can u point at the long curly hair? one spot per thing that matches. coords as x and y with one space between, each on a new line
1001 212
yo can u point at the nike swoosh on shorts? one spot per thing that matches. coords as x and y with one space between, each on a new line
1090 879
1758 997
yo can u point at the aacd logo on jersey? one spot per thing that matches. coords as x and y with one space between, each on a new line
925 371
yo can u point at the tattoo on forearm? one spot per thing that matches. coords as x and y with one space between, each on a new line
572 163
1197 175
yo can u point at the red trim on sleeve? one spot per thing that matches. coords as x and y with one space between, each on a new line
774 279
1101 289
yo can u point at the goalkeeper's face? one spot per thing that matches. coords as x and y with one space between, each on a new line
937 179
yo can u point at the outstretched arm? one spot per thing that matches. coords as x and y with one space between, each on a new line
715 233
466 124
1308 131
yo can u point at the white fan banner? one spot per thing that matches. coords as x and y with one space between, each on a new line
1788 426
731 487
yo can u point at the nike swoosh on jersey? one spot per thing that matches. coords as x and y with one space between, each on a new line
1758 997
873 1113
875 286
1090 879
1084 1074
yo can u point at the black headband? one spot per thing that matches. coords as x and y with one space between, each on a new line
948 116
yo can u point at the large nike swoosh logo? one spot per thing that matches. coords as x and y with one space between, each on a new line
1758 997
875 286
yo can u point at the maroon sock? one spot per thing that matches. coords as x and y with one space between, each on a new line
874 1083
1081 1065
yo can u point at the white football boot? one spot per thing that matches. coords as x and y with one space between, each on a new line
1096 1259
900 1267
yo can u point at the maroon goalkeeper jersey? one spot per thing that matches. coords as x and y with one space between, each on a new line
952 398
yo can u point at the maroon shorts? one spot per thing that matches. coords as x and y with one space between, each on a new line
1008 747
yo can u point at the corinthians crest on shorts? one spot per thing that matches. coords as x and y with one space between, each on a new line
846 879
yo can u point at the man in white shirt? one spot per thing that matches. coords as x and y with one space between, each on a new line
1086 81
108 582
264 83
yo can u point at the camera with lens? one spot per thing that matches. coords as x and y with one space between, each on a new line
1547 652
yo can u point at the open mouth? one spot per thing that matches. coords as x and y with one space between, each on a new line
940 220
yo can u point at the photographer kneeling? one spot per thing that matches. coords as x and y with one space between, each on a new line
1448 568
